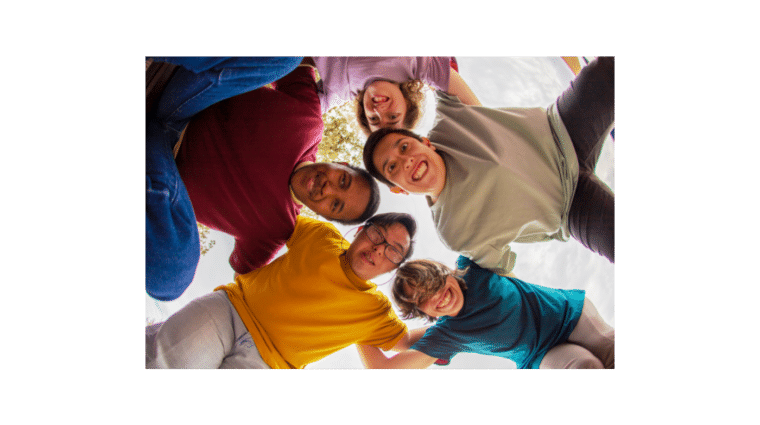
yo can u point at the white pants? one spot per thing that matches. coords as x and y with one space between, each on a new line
591 345
205 334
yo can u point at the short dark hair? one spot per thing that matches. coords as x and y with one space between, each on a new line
374 198
425 277
387 219
413 96
371 145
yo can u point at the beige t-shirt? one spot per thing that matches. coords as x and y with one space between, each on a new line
510 177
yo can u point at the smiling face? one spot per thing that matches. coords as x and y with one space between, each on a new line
410 164
447 301
368 260
384 105
331 190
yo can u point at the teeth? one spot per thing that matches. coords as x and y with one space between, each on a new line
445 300
420 171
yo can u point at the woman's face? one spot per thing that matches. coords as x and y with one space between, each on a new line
447 301
384 105
368 260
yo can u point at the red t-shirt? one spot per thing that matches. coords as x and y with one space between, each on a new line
236 160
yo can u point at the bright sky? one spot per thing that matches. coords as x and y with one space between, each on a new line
498 82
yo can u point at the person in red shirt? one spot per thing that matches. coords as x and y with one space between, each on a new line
248 164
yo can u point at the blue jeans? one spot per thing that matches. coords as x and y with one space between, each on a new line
172 246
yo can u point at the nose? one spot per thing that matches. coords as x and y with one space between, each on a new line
378 249
328 189
408 163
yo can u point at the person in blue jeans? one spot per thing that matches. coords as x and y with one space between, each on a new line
172 245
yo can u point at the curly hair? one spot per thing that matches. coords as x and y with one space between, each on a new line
412 91
421 278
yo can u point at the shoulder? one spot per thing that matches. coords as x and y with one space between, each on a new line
310 230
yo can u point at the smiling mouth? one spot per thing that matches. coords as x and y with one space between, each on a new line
314 186
419 172
366 257
380 99
446 300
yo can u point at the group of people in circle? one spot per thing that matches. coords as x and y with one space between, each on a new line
232 145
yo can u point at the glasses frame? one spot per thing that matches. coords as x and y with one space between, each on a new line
367 227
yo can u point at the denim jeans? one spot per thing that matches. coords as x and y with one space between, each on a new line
172 246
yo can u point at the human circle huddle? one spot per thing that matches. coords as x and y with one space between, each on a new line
232 145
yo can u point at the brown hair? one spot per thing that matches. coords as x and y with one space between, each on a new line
412 91
369 149
423 278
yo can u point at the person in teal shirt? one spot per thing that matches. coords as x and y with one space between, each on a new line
478 311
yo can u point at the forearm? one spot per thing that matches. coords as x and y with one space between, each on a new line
460 89
409 339
373 358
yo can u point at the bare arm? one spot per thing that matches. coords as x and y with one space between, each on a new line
460 89
373 358
409 339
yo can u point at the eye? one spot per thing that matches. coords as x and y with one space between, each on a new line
373 120
404 146
391 167
343 180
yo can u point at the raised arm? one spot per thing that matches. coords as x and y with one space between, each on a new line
373 358
460 89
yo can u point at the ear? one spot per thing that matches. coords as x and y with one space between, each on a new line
426 142
398 190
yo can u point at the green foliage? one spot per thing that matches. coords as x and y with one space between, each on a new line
206 242
342 140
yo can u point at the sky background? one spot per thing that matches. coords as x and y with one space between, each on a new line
498 82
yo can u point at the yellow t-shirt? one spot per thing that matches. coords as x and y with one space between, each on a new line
308 303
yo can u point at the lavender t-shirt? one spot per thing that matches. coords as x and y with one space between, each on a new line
343 76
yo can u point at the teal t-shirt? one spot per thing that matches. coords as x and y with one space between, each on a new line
505 317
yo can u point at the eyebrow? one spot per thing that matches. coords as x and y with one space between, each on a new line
349 179
396 244
394 146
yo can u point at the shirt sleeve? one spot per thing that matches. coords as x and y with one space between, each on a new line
499 260
247 256
435 71
438 342
386 330
301 84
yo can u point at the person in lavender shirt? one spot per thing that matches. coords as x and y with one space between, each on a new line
387 90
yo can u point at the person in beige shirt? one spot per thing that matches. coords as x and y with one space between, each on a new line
497 176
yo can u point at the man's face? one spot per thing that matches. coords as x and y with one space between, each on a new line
410 164
368 260
331 190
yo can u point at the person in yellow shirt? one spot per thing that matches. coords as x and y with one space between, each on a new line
310 302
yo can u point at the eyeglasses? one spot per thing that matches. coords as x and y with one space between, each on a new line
376 237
